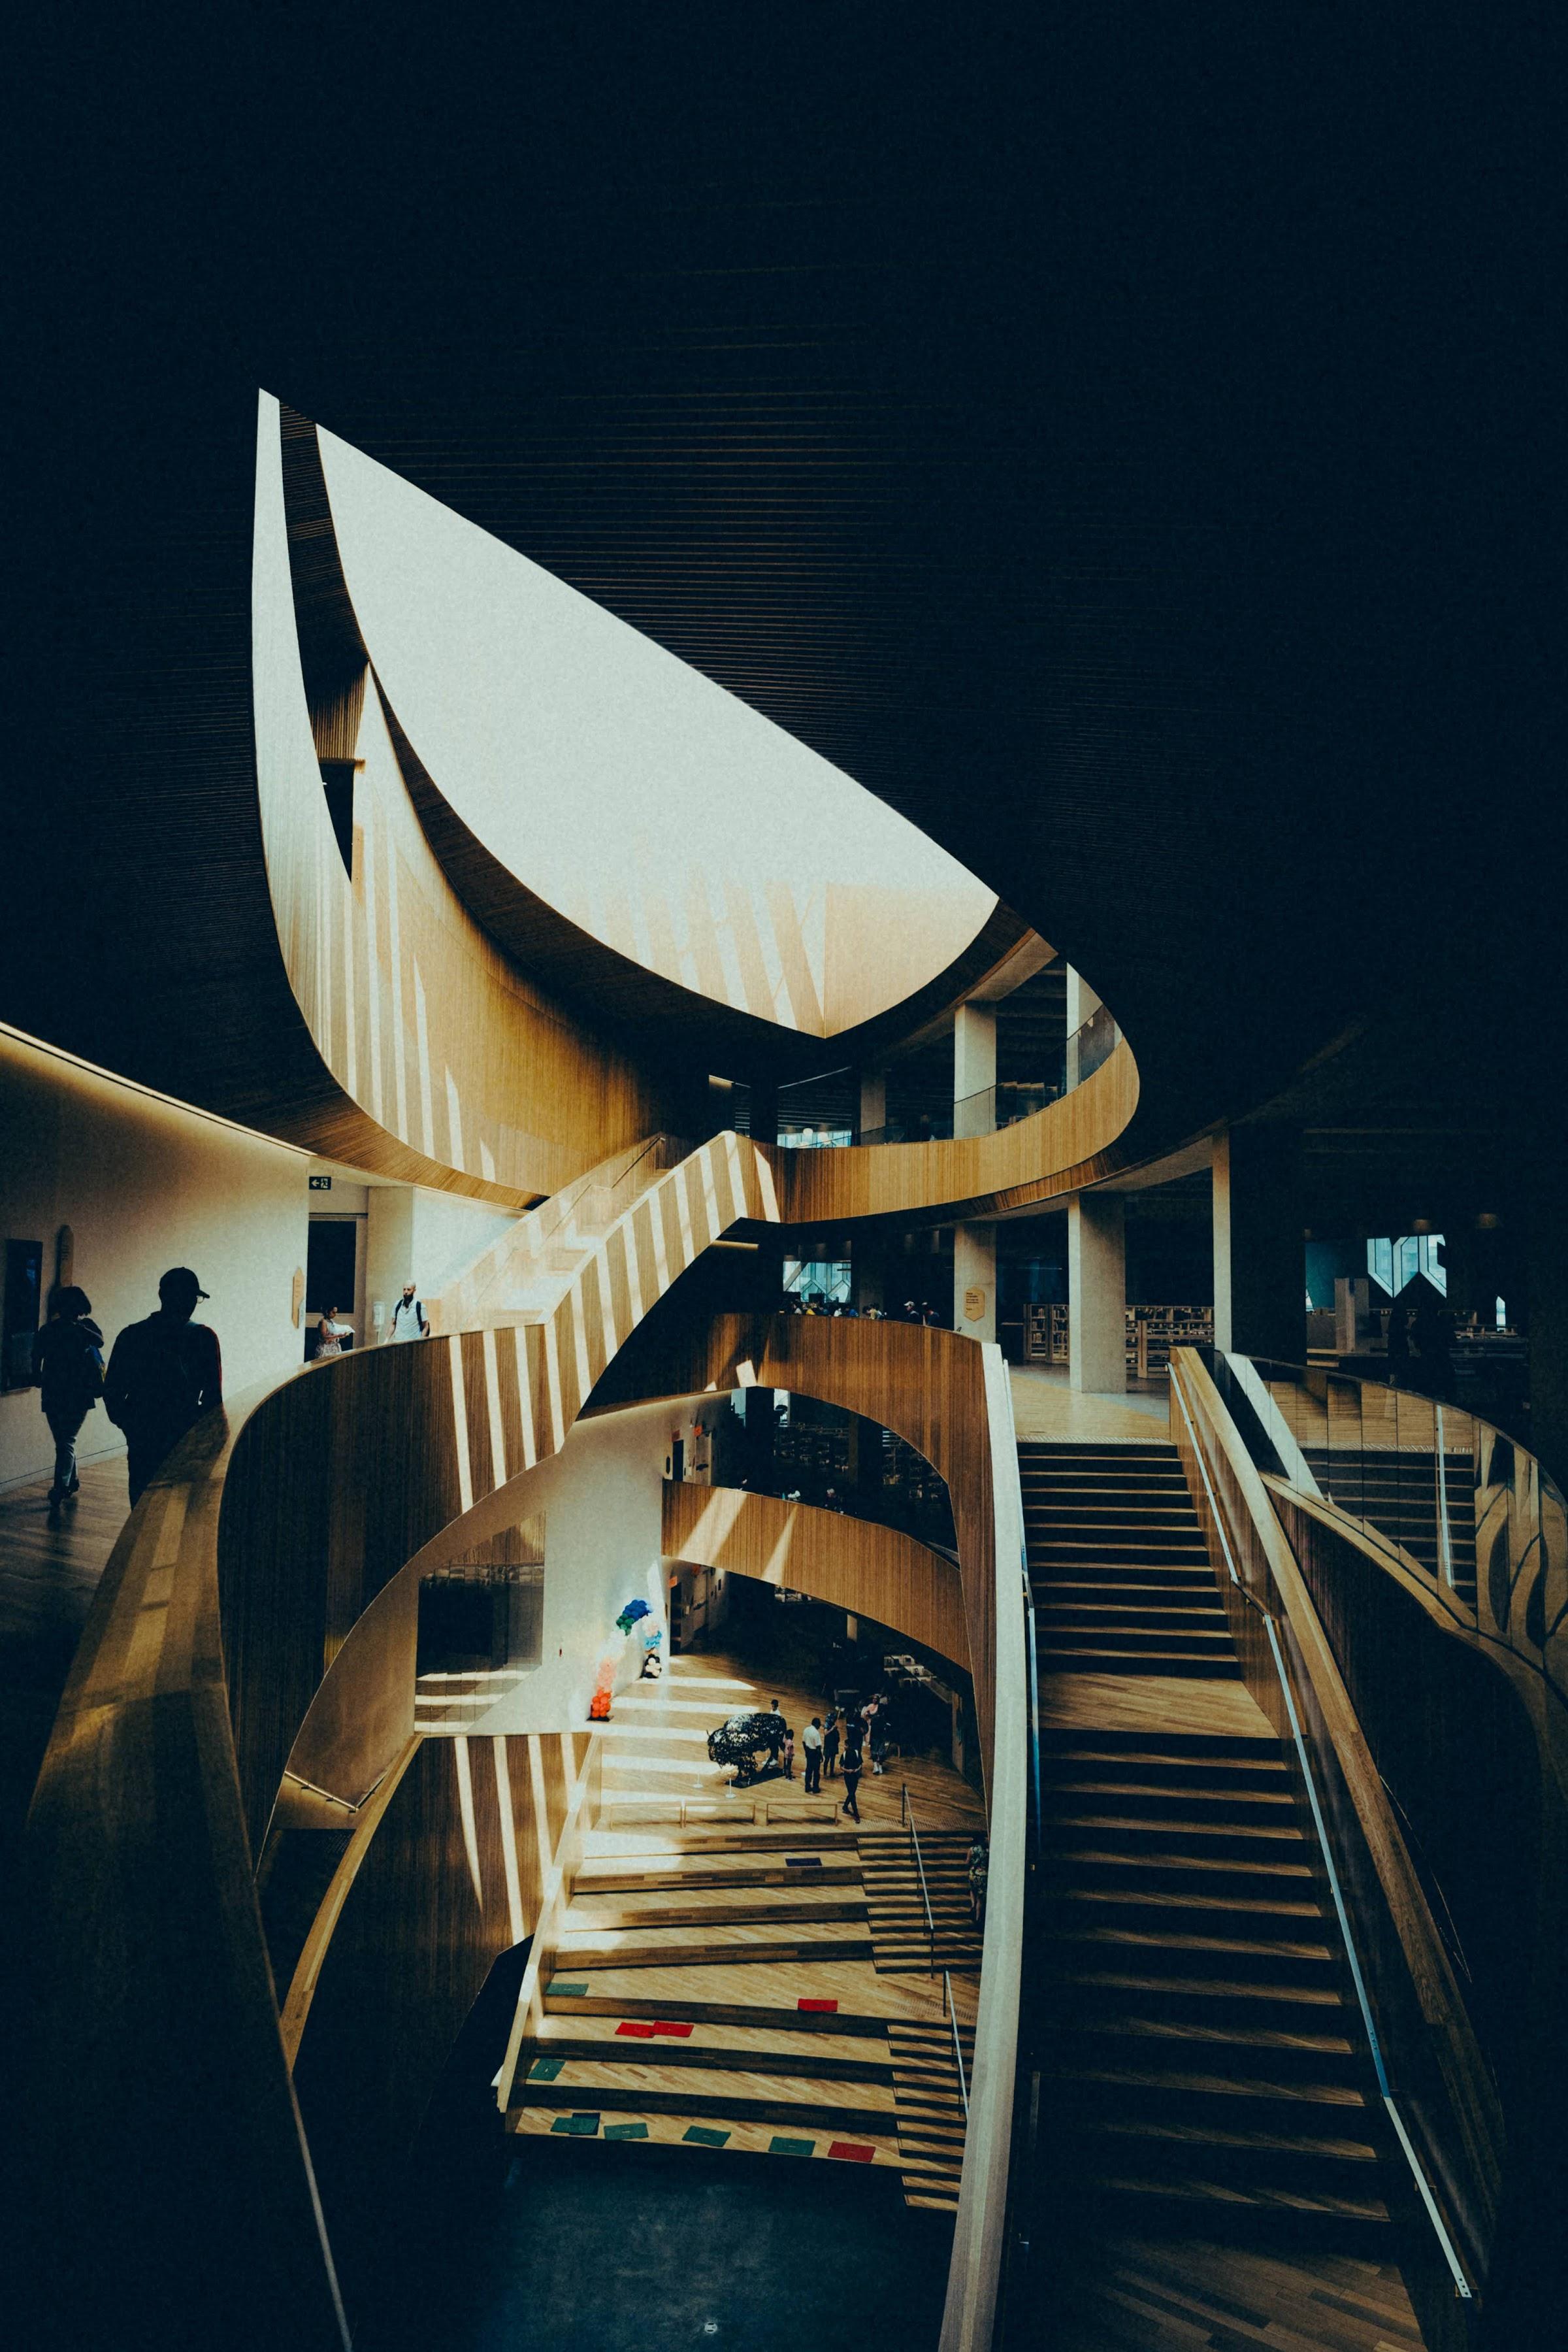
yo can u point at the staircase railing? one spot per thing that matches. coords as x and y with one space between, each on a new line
907 1812
952 2016
1433 2083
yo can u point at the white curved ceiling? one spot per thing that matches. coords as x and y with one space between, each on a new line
651 807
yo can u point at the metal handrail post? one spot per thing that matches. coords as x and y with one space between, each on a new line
924 1891
957 2045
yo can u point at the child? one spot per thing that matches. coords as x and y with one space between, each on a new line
789 1754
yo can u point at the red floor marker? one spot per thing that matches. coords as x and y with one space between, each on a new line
817 2004
638 2032
668 2026
851 2151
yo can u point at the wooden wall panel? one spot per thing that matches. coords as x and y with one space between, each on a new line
444 1066
854 1563
929 1385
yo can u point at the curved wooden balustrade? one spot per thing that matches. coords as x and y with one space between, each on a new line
854 1563
1445 2095
234 1592
230 1593
1068 1144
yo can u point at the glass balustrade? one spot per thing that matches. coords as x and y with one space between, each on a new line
1465 1504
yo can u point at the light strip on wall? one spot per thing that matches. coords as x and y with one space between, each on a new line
150 1094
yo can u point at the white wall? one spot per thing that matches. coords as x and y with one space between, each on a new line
428 1236
145 1184
602 1500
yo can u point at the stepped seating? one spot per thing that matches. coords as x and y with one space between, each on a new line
674 2013
930 2109
895 1908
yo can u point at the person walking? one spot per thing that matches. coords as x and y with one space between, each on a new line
408 1317
163 1375
832 1738
852 1774
68 1364
788 1753
812 1741
881 1733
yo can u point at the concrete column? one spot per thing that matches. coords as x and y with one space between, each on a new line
975 1281
975 1068
1259 1255
1097 1294
873 1103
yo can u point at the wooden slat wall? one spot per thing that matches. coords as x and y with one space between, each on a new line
854 1563
1069 1143
442 1064
929 1385
307 1540
455 1875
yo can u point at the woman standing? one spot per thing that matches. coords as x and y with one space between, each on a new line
68 1364
330 1334
831 1738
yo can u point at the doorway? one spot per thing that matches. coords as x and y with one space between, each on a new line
331 1271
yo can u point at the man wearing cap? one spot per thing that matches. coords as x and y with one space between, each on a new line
163 1375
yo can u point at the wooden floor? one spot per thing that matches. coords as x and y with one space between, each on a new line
718 1982
50 1563
1150 1703
1045 1407
1137 2295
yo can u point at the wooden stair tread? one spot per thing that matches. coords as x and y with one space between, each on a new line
1180 2080
1213 1988
1261 2196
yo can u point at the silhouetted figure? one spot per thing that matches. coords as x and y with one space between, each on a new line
163 1375
1432 1335
1398 1343
832 1738
68 1364
851 1771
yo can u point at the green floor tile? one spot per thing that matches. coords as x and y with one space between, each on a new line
545 2070
782 2147
625 2131
704 2136
577 2126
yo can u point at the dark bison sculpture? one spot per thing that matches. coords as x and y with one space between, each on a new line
739 1741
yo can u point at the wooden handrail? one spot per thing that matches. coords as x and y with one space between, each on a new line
1292 1672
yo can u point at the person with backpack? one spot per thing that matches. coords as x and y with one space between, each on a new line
68 1364
408 1317
163 1375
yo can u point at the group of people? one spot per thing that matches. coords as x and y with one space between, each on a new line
162 1373
912 1311
1420 1346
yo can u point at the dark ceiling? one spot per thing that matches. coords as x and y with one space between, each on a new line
1121 442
